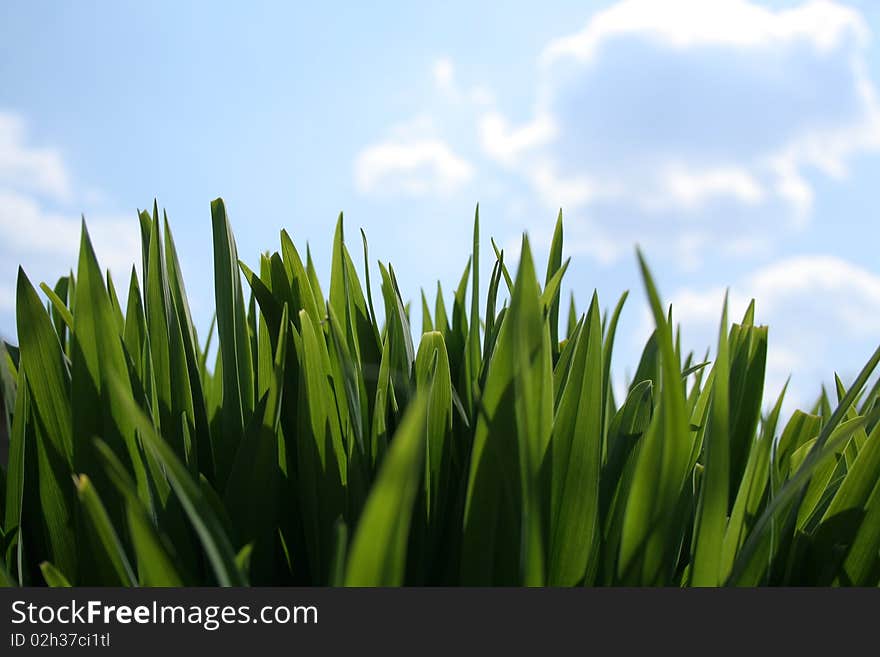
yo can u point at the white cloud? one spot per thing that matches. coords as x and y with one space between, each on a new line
446 84
828 287
40 218
690 189
444 74
506 144
29 229
694 23
33 168
415 166
821 310
791 186
658 117
833 288
415 158
589 242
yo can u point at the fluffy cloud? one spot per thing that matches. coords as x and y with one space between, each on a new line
40 218
657 114
30 229
412 161
416 158
449 90
24 166
506 144
819 308
731 23
417 167
444 75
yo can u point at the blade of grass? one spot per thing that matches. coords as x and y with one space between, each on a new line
378 550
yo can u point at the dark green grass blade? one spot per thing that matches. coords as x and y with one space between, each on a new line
251 494
238 378
711 519
49 383
156 564
205 522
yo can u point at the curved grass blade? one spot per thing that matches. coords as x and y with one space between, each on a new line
155 564
54 577
378 551
106 547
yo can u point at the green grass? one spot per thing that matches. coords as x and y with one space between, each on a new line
485 447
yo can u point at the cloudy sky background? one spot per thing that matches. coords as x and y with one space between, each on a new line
737 142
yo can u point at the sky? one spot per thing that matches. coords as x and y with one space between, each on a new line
738 143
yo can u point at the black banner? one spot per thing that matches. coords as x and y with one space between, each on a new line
546 621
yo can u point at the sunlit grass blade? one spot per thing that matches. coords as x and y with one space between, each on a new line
575 461
106 547
377 556
554 263
661 469
54 577
748 566
503 486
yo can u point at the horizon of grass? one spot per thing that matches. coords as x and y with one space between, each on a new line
321 447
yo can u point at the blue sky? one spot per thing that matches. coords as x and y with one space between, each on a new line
737 142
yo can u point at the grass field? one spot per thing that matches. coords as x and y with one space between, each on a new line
483 446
